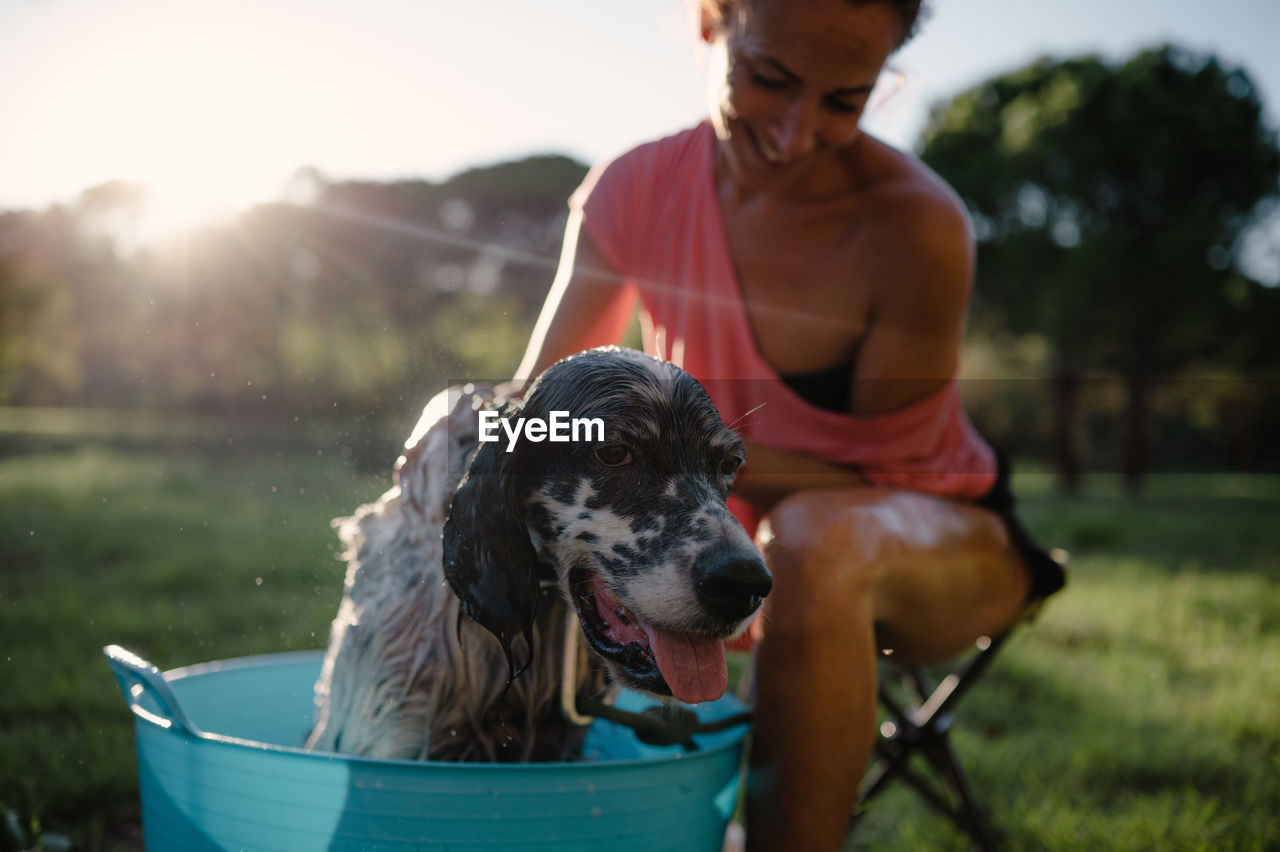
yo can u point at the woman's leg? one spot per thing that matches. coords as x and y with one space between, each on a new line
930 574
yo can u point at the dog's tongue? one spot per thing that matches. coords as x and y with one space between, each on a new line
693 665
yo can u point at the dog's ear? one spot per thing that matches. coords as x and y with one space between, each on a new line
435 459
489 560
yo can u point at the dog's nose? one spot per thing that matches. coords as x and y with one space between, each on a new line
731 584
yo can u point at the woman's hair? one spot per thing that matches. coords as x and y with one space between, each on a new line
910 13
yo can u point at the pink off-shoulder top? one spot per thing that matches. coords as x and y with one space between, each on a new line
654 216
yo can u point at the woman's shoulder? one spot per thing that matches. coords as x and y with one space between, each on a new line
906 195
650 166
916 237
683 149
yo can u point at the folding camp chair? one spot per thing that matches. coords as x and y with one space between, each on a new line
918 722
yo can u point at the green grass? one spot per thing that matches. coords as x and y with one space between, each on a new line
181 557
1142 709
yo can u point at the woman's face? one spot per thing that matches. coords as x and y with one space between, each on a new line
789 81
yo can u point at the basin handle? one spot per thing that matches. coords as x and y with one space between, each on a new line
134 675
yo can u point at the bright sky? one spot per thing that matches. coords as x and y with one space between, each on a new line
221 100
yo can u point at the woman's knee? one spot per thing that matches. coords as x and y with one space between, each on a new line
821 578
805 517
850 524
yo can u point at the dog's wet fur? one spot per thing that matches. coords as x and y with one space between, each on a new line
448 644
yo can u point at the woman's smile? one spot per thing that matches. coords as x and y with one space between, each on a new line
789 86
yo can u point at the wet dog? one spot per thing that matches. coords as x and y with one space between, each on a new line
464 578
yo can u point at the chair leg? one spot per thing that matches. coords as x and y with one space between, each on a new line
968 814
923 726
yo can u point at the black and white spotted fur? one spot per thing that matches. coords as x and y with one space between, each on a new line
467 572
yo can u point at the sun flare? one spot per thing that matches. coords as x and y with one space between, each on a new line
176 204
185 103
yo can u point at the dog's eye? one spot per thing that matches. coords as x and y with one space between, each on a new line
730 465
613 455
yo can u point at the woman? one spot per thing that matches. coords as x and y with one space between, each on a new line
816 281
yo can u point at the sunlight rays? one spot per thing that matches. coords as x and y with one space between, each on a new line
178 99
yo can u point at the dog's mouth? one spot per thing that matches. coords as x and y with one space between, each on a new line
688 666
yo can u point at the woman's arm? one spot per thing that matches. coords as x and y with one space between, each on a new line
771 474
589 305
924 264
925 260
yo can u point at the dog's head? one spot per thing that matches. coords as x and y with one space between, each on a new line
629 520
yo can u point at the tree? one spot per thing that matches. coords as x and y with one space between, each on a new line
1109 203
355 295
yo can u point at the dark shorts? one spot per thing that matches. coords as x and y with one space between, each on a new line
1047 575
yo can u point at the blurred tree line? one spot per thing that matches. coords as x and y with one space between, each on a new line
353 294
1111 203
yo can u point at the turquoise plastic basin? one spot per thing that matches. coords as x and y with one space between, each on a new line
220 767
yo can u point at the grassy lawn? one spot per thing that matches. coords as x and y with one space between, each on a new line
180 555
1141 711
